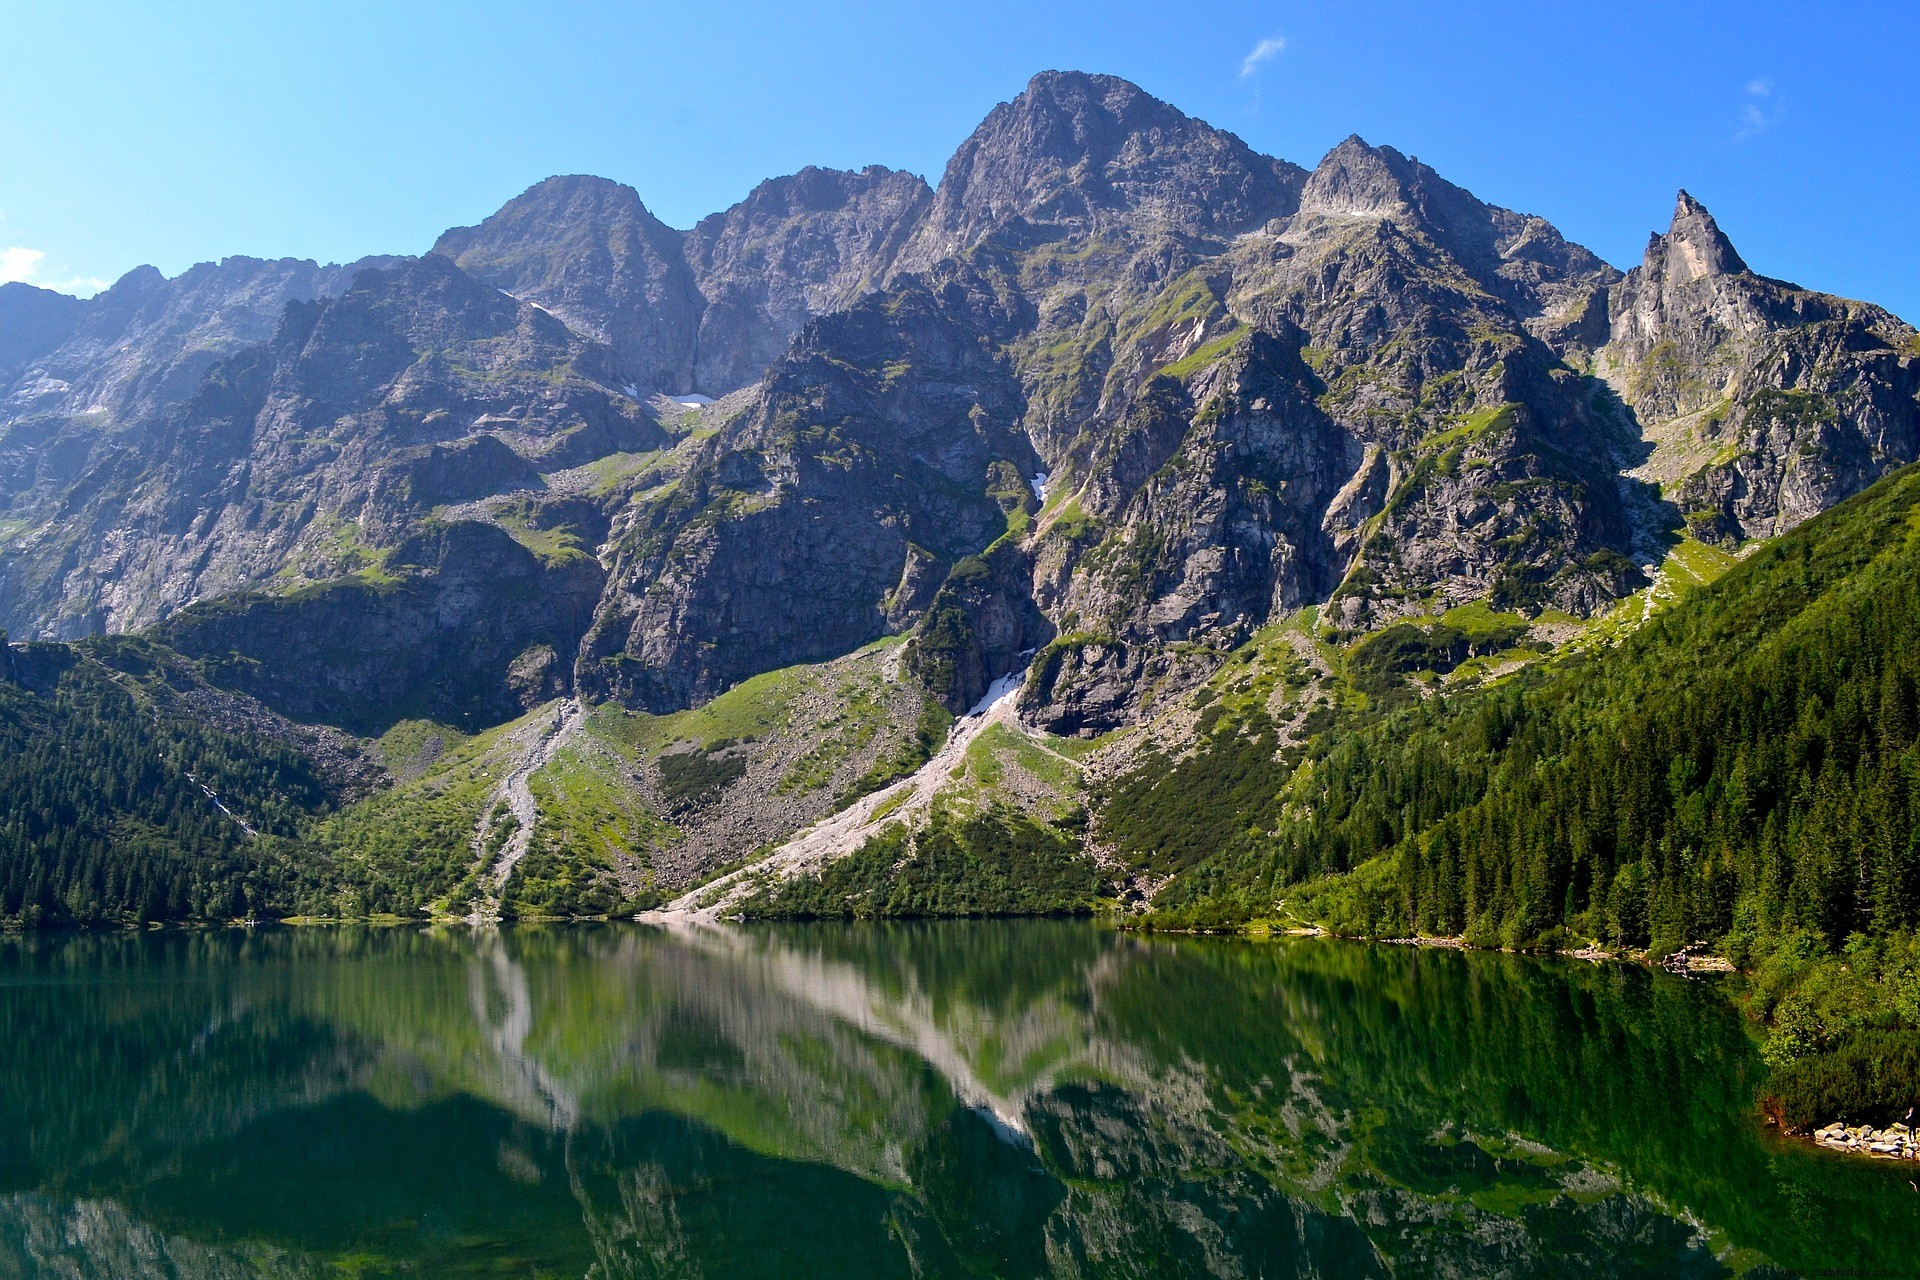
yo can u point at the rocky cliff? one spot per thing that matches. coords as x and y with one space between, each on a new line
1763 403
879 452
319 468
1078 155
144 344
795 248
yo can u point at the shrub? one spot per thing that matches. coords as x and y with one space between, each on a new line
1873 1078
689 778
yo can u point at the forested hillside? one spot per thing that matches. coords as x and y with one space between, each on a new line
1743 765
120 802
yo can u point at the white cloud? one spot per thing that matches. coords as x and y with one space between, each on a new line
1262 52
21 265
18 265
1759 112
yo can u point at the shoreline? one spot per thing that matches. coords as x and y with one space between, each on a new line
1895 1142
1692 958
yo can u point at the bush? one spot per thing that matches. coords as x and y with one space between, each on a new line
1818 1000
1873 1078
689 778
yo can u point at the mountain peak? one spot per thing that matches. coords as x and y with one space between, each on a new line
575 199
816 190
1075 90
587 250
1359 178
1075 152
1694 247
1070 81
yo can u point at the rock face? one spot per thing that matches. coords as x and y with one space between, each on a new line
33 322
588 252
883 447
462 629
316 465
1521 260
706 310
144 344
795 248
1351 405
1121 391
1765 403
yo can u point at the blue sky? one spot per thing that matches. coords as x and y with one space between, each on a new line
171 134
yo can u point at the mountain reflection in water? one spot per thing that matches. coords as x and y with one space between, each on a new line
950 1099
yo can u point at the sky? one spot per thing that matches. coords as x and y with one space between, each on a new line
173 134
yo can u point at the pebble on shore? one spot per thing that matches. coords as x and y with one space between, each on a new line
1896 1142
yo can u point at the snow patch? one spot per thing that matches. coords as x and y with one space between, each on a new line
694 401
999 691
1039 483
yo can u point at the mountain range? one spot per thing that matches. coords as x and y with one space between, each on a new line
596 557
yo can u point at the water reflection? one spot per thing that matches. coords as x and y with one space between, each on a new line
1018 1099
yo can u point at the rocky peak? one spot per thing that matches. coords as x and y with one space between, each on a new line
811 191
1359 180
1691 289
587 250
1077 153
131 289
107 316
1693 248
1763 403
560 206
1521 259
1356 179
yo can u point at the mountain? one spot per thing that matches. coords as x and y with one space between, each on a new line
303 465
1740 765
34 322
144 344
881 450
1764 403
1122 426
795 248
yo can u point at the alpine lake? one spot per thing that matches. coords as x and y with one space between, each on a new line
989 1098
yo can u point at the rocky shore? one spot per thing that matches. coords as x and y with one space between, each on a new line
1895 1142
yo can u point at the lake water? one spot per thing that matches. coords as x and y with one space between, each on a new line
1018 1099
